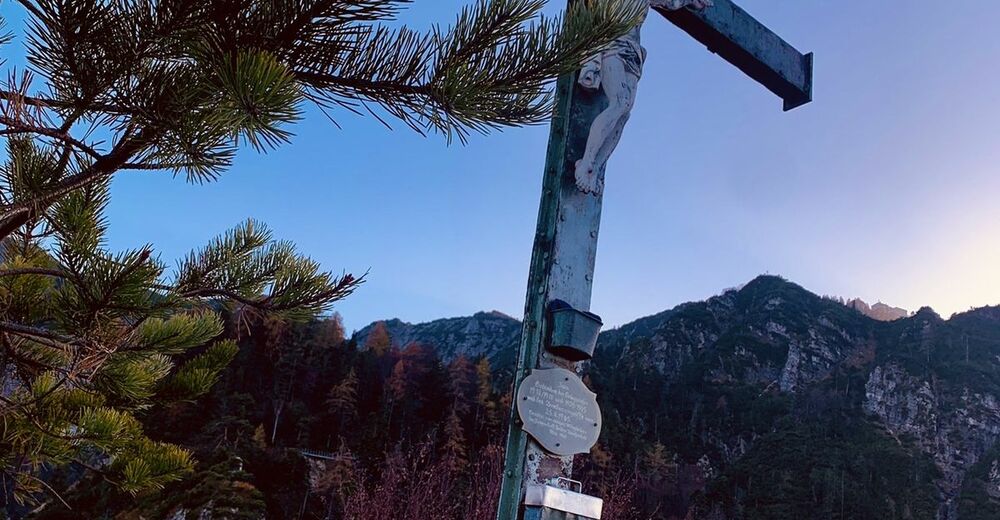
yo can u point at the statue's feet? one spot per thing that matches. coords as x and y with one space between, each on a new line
587 180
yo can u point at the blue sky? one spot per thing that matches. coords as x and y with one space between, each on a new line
885 187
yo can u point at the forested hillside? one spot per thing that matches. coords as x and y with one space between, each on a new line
765 402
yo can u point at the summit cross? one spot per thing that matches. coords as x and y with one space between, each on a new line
592 107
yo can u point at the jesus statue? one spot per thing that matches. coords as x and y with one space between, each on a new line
616 71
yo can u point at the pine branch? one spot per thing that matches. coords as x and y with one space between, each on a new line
38 333
488 71
341 288
55 273
19 214
157 166
56 104
16 128
51 491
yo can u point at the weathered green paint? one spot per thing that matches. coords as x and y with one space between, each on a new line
737 37
532 329
563 209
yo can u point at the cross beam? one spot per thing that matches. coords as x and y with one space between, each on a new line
727 30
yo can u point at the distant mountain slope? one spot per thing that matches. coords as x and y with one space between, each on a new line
752 382
776 331
491 334
771 394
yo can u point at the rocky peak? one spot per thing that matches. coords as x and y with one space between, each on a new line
492 334
879 311
927 314
770 331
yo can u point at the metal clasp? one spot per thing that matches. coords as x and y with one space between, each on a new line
571 482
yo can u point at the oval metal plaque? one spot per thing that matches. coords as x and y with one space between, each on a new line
559 411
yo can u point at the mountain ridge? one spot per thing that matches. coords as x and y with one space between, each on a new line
927 383
403 332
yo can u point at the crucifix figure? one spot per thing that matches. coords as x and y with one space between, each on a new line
592 107
615 71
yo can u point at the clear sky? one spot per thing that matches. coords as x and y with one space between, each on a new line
886 187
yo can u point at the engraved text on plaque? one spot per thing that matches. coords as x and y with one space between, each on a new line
559 411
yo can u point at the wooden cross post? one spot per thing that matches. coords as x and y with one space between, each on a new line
565 245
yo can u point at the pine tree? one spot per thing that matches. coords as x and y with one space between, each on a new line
331 332
396 390
487 414
259 437
656 461
658 476
378 340
399 382
461 378
454 445
90 338
600 457
342 401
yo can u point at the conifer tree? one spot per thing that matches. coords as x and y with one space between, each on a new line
487 414
259 437
342 401
399 382
90 338
344 396
656 461
378 340
331 331
396 387
658 476
461 379
454 444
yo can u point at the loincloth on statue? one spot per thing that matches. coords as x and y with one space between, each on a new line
630 52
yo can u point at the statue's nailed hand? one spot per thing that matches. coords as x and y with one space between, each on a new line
674 5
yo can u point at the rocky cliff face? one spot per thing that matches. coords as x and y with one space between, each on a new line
955 434
936 384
